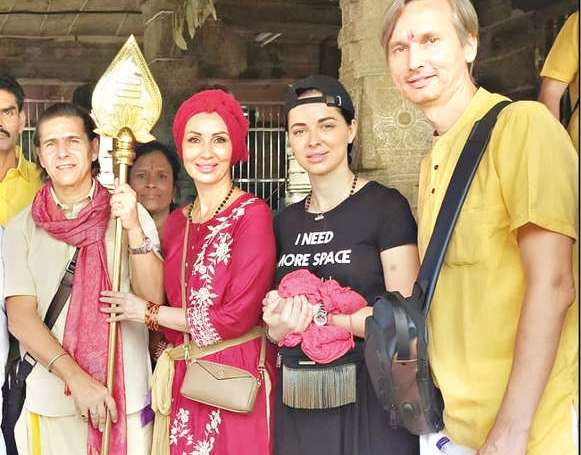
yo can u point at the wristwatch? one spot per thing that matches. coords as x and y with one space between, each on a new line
321 316
145 247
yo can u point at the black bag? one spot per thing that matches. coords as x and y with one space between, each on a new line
14 388
14 393
395 335
396 359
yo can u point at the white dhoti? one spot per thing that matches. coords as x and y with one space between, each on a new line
41 435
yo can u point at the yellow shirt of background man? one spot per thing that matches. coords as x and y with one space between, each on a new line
562 64
527 175
18 187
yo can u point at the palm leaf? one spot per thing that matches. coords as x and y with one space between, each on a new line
193 14
178 30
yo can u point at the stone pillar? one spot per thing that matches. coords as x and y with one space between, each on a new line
393 135
166 62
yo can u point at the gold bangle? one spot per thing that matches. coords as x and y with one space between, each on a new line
54 359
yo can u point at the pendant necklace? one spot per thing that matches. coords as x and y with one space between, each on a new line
220 207
321 215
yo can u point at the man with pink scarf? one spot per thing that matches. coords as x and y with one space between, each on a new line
66 399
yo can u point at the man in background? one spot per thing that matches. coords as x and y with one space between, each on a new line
561 72
19 178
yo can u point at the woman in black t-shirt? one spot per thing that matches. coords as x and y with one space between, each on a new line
359 233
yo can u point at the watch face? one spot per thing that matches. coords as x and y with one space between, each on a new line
147 244
320 317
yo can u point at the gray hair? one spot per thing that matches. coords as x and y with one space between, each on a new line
464 18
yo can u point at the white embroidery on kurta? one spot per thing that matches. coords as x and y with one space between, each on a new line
215 250
181 430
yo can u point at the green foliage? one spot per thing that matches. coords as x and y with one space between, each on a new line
193 14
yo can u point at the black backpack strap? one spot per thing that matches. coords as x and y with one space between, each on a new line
402 333
453 200
575 106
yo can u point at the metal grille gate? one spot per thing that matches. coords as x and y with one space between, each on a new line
265 172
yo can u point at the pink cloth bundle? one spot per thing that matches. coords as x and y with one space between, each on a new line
323 344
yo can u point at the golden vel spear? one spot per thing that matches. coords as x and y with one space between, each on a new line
126 104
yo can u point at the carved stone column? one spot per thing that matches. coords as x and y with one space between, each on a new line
393 135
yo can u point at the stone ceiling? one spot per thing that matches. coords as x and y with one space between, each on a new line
115 20
72 41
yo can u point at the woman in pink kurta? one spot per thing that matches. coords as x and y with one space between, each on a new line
229 268
230 263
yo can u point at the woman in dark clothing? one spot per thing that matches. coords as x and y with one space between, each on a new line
359 233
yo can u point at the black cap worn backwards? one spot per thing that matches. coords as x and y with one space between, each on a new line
333 94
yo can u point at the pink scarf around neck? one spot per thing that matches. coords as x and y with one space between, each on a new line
86 333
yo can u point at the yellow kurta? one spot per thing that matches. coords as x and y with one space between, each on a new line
527 175
18 187
562 64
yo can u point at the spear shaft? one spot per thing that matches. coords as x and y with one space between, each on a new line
123 157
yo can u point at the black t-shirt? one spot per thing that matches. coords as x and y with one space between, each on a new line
346 244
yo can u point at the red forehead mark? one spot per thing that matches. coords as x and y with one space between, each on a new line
411 35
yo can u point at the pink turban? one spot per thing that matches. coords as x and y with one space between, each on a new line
226 107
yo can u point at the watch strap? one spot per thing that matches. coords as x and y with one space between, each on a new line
145 247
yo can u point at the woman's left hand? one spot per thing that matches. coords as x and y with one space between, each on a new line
128 307
124 205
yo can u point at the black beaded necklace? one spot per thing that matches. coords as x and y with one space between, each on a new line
321 215
220 207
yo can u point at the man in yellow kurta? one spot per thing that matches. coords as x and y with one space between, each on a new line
503 325
19 178
561 71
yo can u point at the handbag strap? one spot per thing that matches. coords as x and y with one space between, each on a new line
453 200
191 350
59 299
183 272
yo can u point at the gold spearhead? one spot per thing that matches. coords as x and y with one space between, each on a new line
127 96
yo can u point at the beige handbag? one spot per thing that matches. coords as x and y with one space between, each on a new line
224 386
216 384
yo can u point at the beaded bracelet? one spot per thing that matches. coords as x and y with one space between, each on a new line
269 338
158 351
151 316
